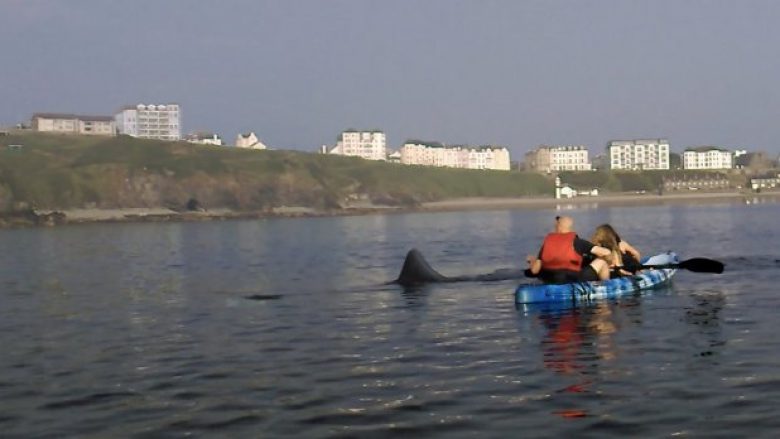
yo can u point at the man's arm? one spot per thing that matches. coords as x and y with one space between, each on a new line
535 262
584 247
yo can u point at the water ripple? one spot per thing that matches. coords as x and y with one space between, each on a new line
165 339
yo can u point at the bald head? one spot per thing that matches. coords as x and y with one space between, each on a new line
564 224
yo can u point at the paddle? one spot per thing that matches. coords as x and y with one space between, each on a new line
697 265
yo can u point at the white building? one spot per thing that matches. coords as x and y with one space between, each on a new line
707 157
641 154
394 157
558 158
204 138
249 141
161 122
437 154
370 145
73 124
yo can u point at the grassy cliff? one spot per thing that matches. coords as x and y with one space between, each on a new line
62 172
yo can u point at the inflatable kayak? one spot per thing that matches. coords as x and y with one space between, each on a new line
583 291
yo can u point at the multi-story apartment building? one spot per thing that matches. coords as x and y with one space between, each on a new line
707 157
461 156
640 154
249 141
150 121
370 145
558 158
73 124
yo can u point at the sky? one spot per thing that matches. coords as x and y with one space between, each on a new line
503 72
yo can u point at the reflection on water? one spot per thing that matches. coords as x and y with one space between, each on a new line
704 316
577 343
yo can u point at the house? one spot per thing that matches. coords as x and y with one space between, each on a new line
66 123
204 138
250 141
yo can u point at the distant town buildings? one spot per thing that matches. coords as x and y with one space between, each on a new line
707 157
766 182
758 161
370 145
547 158
204 138
161 122
415 152
73 124
640 154
250 141
695 183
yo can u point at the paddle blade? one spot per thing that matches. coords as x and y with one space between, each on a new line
702 265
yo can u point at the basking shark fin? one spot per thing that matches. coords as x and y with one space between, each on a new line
416 270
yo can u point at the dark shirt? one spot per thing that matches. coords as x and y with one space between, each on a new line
630 263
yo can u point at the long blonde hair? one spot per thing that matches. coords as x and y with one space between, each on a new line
605 236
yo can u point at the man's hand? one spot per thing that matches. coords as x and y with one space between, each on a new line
534 264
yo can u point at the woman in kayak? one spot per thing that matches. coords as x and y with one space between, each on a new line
624 258
560 260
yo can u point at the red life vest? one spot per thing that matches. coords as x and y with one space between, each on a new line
558 252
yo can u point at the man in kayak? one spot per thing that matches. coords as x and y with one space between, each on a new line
560 260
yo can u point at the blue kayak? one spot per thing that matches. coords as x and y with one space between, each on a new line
583 291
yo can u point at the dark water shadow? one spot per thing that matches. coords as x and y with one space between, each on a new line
261 297
704 317
416 296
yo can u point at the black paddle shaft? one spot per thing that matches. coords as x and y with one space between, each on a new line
696 265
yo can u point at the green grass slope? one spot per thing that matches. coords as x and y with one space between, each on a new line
61 172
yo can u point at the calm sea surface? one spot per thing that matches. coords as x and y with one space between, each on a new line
283 327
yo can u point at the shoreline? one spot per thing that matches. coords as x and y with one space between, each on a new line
44 218
609 200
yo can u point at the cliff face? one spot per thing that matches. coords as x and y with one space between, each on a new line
62 172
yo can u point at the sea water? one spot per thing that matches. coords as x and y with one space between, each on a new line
285 327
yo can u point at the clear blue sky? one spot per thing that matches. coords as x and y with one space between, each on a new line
510 72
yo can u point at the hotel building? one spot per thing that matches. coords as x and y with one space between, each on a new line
558 158
707 157
641 154
161 122
73 124
437 154
370 145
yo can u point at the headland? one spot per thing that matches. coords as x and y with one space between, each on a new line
63 179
